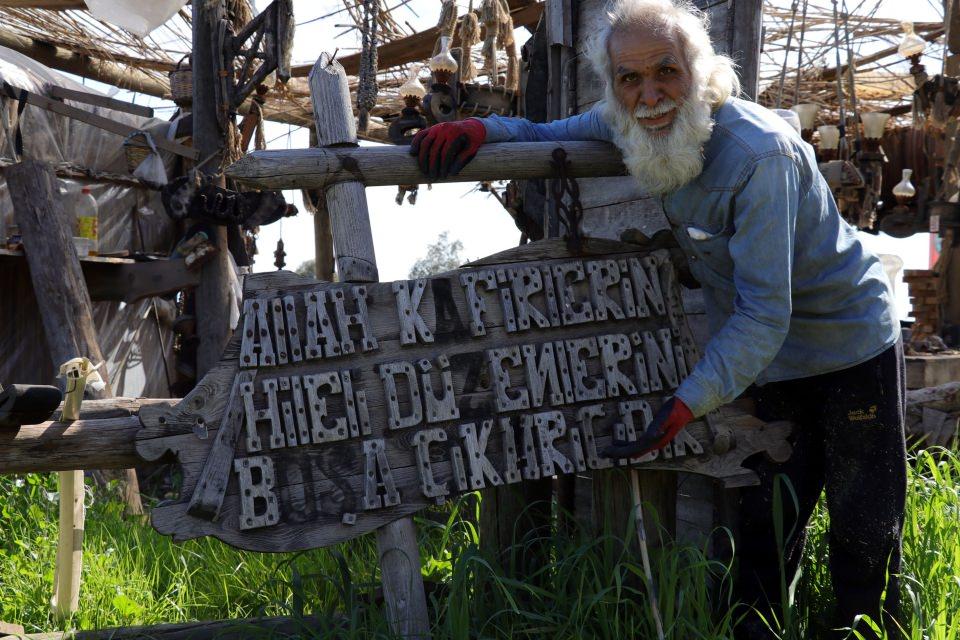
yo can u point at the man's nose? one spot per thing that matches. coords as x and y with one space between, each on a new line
650 95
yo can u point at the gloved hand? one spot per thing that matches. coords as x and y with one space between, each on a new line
445 148
666 424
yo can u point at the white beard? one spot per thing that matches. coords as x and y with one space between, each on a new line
661 163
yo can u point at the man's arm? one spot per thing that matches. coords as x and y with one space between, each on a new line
444 149
762 249
585 126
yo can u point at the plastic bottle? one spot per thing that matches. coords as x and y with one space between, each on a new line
87 220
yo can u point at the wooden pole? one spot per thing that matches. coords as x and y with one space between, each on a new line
212 296
747 26
353 244
323 266
67 316
376 166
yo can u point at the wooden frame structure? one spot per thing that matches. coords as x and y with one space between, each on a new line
348 172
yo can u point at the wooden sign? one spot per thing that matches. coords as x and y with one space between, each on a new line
340 407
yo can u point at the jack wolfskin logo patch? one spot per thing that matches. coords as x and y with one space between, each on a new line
862 415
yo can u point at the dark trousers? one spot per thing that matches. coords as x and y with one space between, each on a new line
848 439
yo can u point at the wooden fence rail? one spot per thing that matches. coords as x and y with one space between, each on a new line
376 166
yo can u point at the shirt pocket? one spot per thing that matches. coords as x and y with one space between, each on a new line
709 255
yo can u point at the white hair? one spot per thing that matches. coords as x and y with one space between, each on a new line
713 73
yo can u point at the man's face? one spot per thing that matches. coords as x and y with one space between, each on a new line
650 77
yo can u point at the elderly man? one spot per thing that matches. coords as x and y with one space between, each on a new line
800 311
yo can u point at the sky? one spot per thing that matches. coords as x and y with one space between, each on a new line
402 233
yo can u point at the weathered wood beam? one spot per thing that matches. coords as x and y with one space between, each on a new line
131 281
107 124
104 443
346 204
419 46
212 296
390 165
102 70
101 101
103 438
126 280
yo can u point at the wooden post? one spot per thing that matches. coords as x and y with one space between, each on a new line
213 294
746 37
322 238
353 245
67 315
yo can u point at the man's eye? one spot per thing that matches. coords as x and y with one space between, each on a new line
667 71
628 77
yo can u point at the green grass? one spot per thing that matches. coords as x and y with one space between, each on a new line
574 586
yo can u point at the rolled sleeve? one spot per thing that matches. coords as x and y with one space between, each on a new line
585 126
762 250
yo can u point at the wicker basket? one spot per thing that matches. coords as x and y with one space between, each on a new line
136 148
181 83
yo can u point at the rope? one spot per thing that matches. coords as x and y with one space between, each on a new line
469 38
447 24
367 81
490 12
507 41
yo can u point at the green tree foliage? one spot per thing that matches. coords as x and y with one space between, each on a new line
442 255
306 268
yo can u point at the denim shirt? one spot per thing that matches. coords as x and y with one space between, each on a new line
790 290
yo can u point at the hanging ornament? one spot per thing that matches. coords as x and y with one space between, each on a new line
412 90
443 65
904 191
279 255
911 45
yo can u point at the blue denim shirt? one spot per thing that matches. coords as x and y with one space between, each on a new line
790 290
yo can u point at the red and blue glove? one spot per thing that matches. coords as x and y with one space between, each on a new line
666 424
445 148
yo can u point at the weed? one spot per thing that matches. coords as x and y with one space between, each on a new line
588 585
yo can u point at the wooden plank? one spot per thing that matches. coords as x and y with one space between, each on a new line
106 124
931 370
125 279
324 483
86 97
375 166
131 280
